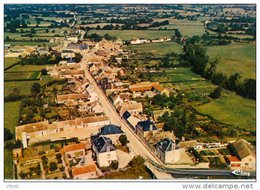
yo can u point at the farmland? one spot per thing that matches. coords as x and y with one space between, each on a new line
11 116
233 110
22 75
157 48
8 61
130 34
236 58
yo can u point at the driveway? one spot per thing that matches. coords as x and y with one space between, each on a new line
123 158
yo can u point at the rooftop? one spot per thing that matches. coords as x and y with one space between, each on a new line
73 147
145 125
243 148
166 145
84 169
103 144
110 129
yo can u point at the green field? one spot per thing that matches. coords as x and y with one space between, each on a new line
8 61
233 110
24 86
8 164
22 75
127 35
11 115
174 77
27 68
34 43
236 58
157 48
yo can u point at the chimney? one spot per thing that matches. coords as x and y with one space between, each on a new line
151 127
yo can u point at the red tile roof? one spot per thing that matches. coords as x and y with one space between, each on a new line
233 159
84 169
74 147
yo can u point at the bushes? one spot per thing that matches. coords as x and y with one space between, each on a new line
197 155
53 166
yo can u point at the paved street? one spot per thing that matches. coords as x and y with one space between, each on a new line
134 142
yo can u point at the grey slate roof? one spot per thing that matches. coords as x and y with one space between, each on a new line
71 60
77 46
102 143
145 125
165 145
126 115
110 129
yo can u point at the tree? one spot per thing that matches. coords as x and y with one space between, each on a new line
250 89
137 163
216 93
33 31
44 72
123 140
47 30
177 33
35 89
114 165
78 57
7 134
53 166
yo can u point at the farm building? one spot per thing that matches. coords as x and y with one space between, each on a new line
245 153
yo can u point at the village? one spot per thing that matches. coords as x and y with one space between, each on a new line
90 144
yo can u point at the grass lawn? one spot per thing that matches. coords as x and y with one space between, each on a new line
130 34
236 58
8 164
157 48
10 61
11 115
233 110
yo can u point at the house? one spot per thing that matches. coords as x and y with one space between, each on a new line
7 46
30 131
103 151
143 127
159 89
77 47
167 151
92 93
131 119
233 162
18 48
72 73
112 132
73 38
74 150
67 54
245 153
132 108
72 99
85 172
93 107
139 41
28 51
43 51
